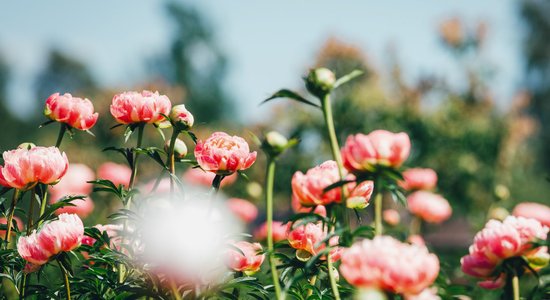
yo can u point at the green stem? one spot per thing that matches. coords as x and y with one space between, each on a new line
135 164
332 278
312 281
60 135
9 222
43 202
175 291
378 214
23 286
216 184
66 279
270 178
171 162
515 286
30 212
416 225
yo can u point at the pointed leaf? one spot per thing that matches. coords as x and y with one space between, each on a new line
284 93
346 78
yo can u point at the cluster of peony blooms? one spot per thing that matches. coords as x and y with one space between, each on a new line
499 242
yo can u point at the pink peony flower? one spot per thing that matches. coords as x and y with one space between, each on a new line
200 177
379 148
82 207
431 207
279 232
117 173
74 183
249 261
75 112
419 179
299 208
389 265
309 188
144 107
243 209
24 168
499 241
537 211
391 216
416 239
224 154
426 294
62 235
4 221
306 237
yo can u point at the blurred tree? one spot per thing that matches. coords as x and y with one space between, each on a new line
536 15
63 74
195 62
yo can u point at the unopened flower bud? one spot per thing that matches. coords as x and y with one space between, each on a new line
320 81
181 118
539 259
27 146
357 202
276 139
498 213
180 149
370 294
502 192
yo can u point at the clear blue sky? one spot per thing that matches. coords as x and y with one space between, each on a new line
269 45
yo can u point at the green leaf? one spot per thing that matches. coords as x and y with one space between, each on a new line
128 132
284 93
192 136
346 78
46 123
115 126
337 184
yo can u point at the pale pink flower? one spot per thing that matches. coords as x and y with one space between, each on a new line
24 168
224 154
144 107
537 211
62 235
307 237
499 241
431 207
309 188
181 117
419 179
389 265
82 207
391 216
248 260
116 173
75 112
278 231
416 239
379 148
197 176
18 221
74 183
245 210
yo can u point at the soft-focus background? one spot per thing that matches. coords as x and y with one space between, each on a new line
468 80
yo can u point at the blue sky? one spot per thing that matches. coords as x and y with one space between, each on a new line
269 45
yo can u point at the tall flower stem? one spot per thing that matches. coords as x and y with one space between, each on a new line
135 163
14 199
31 211
60 135
332 278
43 202
416 225
378 213
171 158
515 286
66 279
174 289
216 184
270 178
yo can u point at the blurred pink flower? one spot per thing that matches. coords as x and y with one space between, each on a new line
431 207
306 237
299 208
249 261
419 179
24 168
74 183
243 209
387 264
62 235
144 107
309 188
82 207
537 211
499 241
224 154
391 216
426 294
416 239
379 148
117 173
279 231
5 222
200 177
75 112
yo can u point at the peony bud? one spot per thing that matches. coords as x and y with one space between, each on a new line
320 81
370 294
27 146
181 118
357 202
180 149
276 140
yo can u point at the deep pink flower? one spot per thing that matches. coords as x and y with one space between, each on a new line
117 173
243 209
391 216
278 231
419 179
387 264
23 168
197 176
75 112
249 261
62 235
306 237
537 211
379 148
144 107
431 207
309 188
499 241
224 154
17 221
